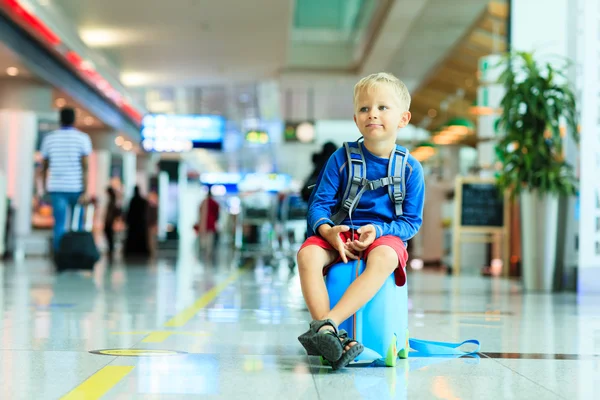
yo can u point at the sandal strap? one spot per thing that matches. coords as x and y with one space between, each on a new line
316 325
342 334
348 341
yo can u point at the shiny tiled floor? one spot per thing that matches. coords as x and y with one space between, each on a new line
232 334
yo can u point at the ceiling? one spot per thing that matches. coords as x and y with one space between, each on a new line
186 42
9 61
336 28
211 56
453 81
202 42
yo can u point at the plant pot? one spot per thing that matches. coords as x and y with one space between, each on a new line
539 238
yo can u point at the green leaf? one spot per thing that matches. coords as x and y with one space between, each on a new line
532 106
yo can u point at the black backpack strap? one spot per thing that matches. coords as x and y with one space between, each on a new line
357 172
397 170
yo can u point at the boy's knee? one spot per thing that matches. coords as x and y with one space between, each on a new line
384 258
311 257
306 253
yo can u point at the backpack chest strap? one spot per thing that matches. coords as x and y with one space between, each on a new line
382 182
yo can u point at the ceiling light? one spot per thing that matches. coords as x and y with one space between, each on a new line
88 120
119 140
12 71
127 146
432 113
305 132
137 78
60 102
103 37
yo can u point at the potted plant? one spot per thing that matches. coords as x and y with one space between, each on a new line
538 108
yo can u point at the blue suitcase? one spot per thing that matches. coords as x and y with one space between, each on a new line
382 324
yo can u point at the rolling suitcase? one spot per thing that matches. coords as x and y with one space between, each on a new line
77 248
381 325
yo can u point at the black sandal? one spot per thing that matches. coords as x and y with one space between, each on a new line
325 343
348 356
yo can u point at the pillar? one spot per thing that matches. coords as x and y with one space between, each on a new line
163 202
589 196
450 162
3 206
99 179
489 96
558 36
129 175
20 102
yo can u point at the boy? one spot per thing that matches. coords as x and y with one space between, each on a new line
372 231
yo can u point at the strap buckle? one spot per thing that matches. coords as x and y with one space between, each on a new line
376 184
379 183
398 197
347 204
358 180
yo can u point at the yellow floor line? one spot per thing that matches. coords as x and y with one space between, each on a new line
157 337
184 316
98 384
161 336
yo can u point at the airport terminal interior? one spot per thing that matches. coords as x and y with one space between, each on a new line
162 164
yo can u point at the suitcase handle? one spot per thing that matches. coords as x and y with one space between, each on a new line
89 218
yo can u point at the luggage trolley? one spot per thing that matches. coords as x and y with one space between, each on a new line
292 226
255 227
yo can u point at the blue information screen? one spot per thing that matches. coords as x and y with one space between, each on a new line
178 133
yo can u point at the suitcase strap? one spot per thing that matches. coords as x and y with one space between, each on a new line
430 348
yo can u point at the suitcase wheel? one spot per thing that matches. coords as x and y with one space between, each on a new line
403 353
392 354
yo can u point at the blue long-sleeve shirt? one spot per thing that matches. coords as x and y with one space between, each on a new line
375 206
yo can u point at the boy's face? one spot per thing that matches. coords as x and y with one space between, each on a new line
378 114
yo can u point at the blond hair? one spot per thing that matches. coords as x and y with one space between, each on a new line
370 81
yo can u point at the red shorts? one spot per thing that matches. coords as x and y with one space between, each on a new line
392 241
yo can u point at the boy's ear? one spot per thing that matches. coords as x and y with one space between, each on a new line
404 120
355 121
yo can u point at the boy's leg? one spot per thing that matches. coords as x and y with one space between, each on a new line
381 263
321 338
311 261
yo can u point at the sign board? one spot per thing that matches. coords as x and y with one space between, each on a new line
481 215
481 205
303 132
178 133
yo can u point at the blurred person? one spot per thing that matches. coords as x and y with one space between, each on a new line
136 242
152 221
65 170
207 226
319 160
112 213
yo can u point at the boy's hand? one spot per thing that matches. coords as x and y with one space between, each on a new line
332 235
367 237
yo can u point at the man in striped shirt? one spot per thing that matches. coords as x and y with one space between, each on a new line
65 152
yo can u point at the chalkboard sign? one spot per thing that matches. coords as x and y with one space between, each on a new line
482 205
482 216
